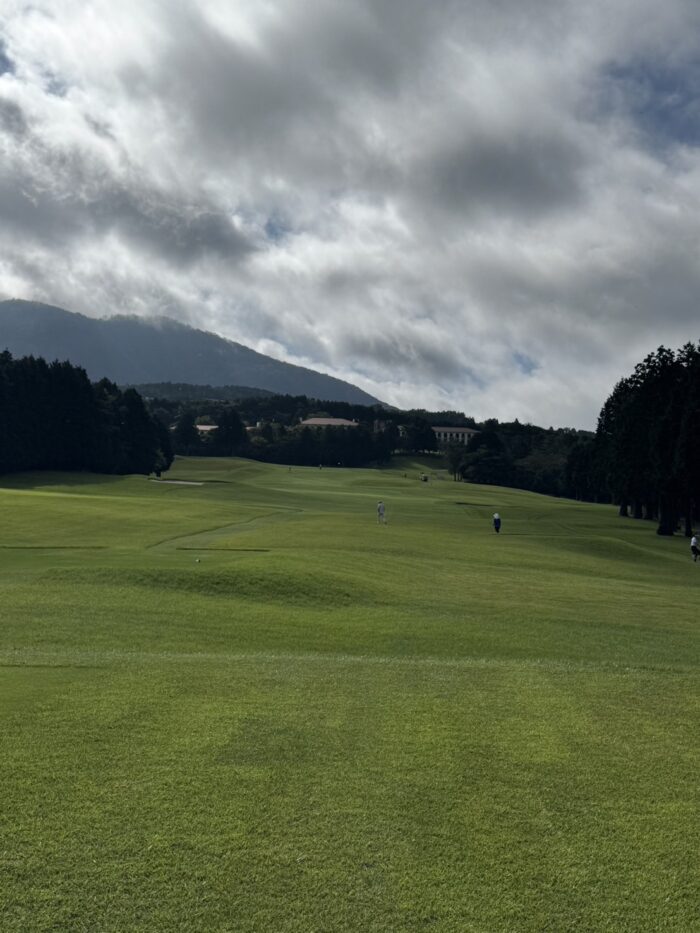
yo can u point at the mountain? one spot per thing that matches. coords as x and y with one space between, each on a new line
132 350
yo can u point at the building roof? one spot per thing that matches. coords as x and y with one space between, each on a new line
462 430
328 422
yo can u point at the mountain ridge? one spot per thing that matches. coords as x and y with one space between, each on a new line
130 350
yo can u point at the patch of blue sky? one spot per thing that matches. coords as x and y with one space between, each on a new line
662 99
276 229
55 86
524 363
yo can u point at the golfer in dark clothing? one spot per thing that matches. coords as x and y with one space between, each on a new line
496 522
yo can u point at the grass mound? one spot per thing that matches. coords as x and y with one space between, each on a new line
258 584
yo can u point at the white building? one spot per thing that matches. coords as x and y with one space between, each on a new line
452 435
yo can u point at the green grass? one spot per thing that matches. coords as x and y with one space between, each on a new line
245 706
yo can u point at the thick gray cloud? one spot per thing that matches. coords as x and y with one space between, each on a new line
12 121
489 205
6 64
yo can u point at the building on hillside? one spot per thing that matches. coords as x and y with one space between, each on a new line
205 428
452 435
328 423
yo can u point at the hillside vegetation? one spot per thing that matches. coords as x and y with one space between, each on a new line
236 702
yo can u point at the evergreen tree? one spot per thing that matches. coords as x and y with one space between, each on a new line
419 436
486 460
186 438
229 433
53 418
647 438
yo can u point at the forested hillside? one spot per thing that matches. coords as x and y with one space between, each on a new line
132 350
185 391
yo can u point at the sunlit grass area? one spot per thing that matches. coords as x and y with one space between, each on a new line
236 703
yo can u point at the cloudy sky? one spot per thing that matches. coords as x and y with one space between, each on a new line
488 205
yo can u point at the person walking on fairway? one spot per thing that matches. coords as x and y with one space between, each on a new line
496 522
694 549
381 517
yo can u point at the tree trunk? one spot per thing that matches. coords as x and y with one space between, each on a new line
650 511
689 522
668 520
638 513
624 511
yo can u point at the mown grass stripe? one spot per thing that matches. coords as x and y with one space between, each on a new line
8 659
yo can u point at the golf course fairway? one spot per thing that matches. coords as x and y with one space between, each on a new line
237 703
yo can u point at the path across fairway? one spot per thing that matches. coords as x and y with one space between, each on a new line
199 540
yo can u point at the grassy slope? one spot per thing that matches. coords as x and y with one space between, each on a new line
330 725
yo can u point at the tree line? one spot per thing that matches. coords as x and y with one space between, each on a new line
186 392
53 418
283 439
646 451
509 454
644 455
285 410
523 456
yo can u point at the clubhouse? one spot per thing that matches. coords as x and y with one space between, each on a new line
452 435
327 423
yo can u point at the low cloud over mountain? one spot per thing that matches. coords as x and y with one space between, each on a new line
132 350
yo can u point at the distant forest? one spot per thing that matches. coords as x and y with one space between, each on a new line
267 428
510 454
644 455
53 418
523 456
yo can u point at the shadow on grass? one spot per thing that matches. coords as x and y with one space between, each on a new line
39 480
